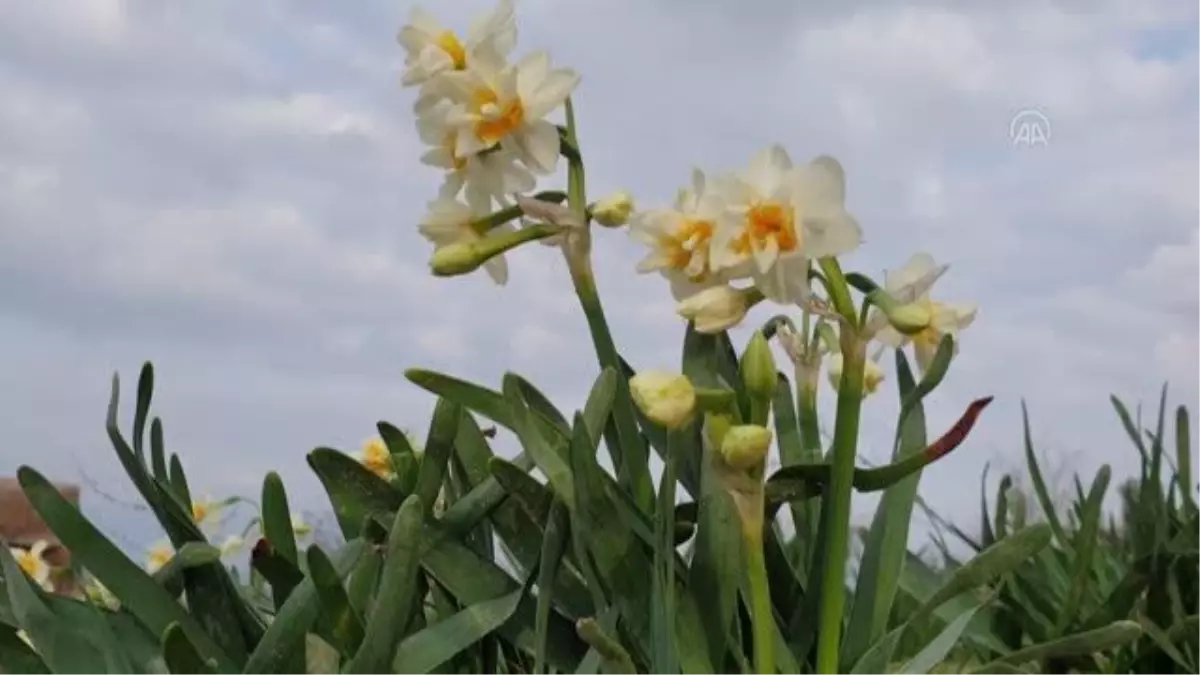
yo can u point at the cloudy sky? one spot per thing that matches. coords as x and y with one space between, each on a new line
231 190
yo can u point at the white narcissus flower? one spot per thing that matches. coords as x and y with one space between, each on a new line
232 545
487 177
668 399
680 238
873 375
911 285
777 217
448 222
33 564
715 309
204 509
160 554
505 107
431 49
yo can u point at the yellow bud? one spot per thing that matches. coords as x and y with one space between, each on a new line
909 319
614 210
758 367
668 399
873 375
715 309
746 445
457 258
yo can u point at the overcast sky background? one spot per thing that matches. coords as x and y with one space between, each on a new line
231 190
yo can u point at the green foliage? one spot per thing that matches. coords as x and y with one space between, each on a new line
1111 593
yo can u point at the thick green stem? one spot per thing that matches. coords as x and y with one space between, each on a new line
836 509
760 600
621 435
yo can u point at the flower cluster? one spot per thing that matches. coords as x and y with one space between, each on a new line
732 240
483 118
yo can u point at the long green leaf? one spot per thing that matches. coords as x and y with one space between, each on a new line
390 616
425 650
354 492
1085 547
554 545
550 462
442 431
484 401
18 657
1039 483
342 626
181 655
1087 642
935 652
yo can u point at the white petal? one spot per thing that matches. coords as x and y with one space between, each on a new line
829 179
497 269
539 145
830 234
531 71
653 261
683 288
891 337
918 266
495 31
451 186
765 255
550 93
767 169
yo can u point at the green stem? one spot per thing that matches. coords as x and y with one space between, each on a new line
810 425
760 600
664 563
839 290
621 435
836 509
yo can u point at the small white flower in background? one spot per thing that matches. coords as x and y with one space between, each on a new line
204 509
33 564
505 107
487 177
911 285
614 210
160 554
680 238
715 309
873 375
778 217
431 49
668 399
232 545
375 456
300 528
448 222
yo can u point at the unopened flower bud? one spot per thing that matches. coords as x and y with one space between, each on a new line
758 367
614 210
455 259
909 319
872 375
715 309
746 445
668 399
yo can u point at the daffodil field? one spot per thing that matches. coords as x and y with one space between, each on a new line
455 559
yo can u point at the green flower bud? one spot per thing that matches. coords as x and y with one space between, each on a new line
909 319
746 445
758 368
668 399
457 258
614 210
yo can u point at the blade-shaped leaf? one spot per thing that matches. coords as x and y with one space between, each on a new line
354 492
425 650
484 401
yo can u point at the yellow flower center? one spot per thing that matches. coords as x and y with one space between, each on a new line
930 336
199 512
448 42
376 458
159 557
28 562
769 220
692 237
496 126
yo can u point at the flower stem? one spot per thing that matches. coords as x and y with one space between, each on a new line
836 508
760 600
665 660
621 435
